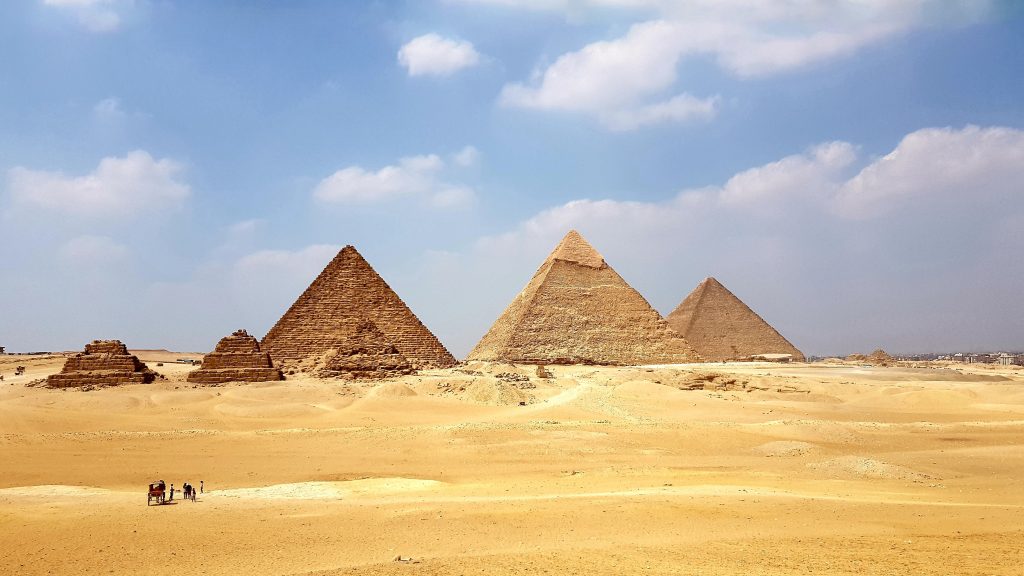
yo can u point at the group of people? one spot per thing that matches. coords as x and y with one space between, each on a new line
188 489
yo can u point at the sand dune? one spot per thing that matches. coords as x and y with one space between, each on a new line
773 469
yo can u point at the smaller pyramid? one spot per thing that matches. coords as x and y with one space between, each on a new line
237 358
577 310
104 363
360 350
721 327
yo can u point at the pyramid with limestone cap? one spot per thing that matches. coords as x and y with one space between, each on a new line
577 310
350 290
721 327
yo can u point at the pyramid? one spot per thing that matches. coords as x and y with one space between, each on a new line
721 327
349 290
237 358
362 351
577 310
104 363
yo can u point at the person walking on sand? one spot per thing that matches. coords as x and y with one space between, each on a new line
172 494
200 486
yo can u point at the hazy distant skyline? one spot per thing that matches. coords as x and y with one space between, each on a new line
173 170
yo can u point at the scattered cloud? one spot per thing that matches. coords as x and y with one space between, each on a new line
829 237
98 16
413 176
435 55
89 251
119 186
625 82
939 164
466 157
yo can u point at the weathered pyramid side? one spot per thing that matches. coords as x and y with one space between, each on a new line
237 358
361 350
577 310
721 327
103 363
348 288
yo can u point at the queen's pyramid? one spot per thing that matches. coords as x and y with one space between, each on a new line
577 310
721 327
350 290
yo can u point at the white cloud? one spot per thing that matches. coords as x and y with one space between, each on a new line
841 251
414 176
117 187
623 82
91 251
434 55
812 175
939 164
94 15
466 157
681 108
304 263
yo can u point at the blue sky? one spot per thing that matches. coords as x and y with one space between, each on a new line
172 170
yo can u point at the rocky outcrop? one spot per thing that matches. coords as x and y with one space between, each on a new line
349 290
103 363
237 358
577 310
721 327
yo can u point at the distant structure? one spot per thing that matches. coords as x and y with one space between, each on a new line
237 358
2 350
577 310
349 290
721 327
104 363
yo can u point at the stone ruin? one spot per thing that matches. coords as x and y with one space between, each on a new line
360 350
327 316
237 358
104 363
721 327
577 310
877 358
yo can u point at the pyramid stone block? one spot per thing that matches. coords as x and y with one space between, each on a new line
577 310
104 363
237 358
361 350
721 327
350 290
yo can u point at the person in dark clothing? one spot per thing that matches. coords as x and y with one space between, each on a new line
200 486
172 494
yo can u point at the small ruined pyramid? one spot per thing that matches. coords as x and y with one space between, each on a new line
361 350
237 358
721 327
104 363
349 289
577 310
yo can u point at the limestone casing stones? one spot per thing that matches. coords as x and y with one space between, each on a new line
721 327
577 310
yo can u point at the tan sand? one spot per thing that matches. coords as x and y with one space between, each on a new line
780 469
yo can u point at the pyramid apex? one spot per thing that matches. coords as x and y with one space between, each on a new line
574 248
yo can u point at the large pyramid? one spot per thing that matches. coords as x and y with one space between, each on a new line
350 290
577 310
721 327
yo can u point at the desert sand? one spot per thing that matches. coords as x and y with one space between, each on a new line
778 469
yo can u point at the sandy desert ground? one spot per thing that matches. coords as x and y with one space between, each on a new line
801 469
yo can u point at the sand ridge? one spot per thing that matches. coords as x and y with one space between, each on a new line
770 469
